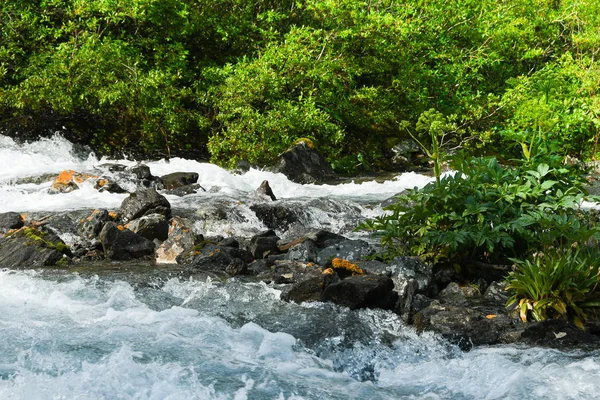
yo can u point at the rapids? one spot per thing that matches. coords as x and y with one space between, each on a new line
102 335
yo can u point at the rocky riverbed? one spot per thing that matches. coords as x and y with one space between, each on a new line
302 250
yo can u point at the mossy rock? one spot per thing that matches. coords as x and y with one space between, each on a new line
31 248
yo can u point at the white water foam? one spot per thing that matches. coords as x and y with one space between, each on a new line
50 156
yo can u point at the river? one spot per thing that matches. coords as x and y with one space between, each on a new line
73 335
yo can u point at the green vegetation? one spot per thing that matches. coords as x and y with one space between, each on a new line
560 283
529 214
246 79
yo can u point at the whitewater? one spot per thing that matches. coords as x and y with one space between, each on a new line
89 334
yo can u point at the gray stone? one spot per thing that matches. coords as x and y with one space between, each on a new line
179 179
151 226
351 250
144 202
304 164
123 244
366 291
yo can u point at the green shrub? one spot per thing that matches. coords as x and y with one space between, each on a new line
556 284
487 212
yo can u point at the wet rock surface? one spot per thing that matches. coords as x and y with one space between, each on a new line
304 164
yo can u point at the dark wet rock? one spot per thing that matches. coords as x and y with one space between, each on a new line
304 164
32 248
142 177
305 251
179 179
351 250
263 244
151 226
264 191
458 295
366 291
405 307
236 267
466 325
263 266
144 202
559 334
181 237
324 238
496 291
275 216
10 220
285 271
213 257
230 242
310 289
90 226
185 190
122 244
104 185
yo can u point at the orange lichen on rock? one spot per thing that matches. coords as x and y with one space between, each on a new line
345 265
328 271
67 181
120 227
70 175
113 215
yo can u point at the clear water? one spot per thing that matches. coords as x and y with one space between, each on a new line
70 336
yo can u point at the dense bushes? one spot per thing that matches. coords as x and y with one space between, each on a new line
248 78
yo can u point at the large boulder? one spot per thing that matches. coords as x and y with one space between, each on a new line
275 215
179 179
304 164
144 202
152 226
366 291
120 243
32 248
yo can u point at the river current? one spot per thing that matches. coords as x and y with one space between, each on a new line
72 335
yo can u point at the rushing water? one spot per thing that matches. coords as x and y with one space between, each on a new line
102 336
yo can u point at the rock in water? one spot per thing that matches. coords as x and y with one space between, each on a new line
366 291
179 179
265 191
122 244
32 248
304 164
151 226
144 202
10 220
181 238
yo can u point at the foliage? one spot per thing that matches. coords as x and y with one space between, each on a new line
245 79
486 212
432 126
556 284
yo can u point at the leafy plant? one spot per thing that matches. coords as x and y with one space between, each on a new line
556 284
432 128
487 212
